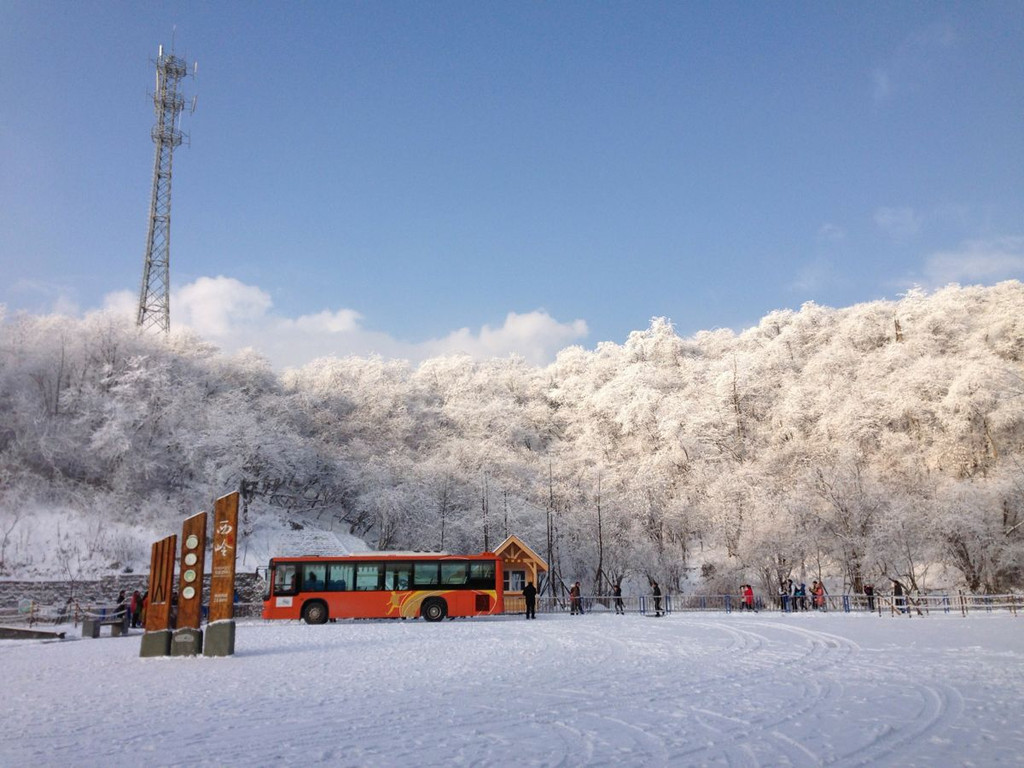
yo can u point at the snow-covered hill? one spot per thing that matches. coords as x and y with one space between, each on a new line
879 441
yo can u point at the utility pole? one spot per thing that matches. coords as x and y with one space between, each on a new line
168 103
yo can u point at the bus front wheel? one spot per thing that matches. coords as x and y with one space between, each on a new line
314 612
434 610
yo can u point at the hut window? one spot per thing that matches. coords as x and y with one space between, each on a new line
515 581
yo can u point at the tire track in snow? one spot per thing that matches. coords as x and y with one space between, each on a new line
939 707
741 739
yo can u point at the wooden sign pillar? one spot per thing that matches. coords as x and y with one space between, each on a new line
220 632
188 638
157 639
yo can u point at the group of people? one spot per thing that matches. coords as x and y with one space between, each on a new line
132 610
576 599
797 597
792 597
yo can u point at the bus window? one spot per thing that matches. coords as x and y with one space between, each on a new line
481 575
367 577
424 575
454 573
339 577
285 580
313 577
397 575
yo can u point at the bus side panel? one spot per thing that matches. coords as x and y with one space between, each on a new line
282 607
380 604
385 605
360 605
499 588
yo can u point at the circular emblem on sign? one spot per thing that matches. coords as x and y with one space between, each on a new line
192 541
190 575
190 558
188 593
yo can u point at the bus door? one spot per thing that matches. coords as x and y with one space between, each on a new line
285 579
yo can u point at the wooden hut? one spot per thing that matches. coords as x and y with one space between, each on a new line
521 565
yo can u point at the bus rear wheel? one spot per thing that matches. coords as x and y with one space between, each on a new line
434 609
314 612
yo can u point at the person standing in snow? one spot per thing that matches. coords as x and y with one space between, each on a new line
657 597
748 597
575 600
134 609
785 592
617 594
869 593
819 595
898 596
530 596
800 597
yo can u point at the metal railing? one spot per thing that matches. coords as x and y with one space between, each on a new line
907 605
30 613
643 604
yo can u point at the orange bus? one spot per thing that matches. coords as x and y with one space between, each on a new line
380 585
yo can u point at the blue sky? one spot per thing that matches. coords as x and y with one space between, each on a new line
420 178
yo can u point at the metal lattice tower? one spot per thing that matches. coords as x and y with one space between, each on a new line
168 103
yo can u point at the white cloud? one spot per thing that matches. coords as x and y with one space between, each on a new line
536 336
899 223
342 321
124 303
235 316
216 306
977 261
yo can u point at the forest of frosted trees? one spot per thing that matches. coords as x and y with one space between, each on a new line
878 441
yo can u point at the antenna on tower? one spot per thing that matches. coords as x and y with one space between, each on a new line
168 104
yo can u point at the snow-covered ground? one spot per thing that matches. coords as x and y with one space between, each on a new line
687 689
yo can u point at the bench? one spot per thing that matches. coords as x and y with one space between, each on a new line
92 627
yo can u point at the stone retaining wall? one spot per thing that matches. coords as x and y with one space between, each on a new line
103 592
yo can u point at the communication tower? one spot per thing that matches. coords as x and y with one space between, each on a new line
168 103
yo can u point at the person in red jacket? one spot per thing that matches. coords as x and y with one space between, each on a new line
818 591
748 597
135 609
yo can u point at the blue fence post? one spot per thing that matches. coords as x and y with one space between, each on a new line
703 603
643 604
945 603
668 604
846 603
728 603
